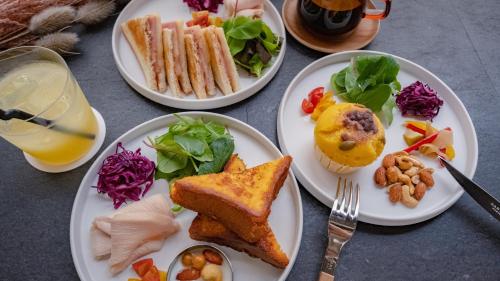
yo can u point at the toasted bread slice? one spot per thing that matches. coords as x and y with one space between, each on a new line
179 54
203 58
240 201
217 61
194 67
235 164
232 73
144 36
204 228
168 53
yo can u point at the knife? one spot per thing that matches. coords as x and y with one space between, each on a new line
488 202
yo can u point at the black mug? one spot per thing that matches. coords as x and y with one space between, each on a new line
335 17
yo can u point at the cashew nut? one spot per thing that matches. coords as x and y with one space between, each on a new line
412 171
400 153
211 272
407 199
415 179
414 161
405 179
403 163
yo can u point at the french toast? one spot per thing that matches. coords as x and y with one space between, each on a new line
240 201
204 228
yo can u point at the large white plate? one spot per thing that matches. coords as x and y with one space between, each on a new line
253 147
295 134
177 10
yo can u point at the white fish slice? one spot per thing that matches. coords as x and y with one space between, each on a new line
101 243
131 231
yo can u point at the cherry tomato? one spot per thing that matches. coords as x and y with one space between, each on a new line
315 95
307 106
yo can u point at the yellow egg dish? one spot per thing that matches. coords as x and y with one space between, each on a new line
348 136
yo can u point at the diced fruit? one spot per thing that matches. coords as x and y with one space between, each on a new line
212 257
450 152
198 261
187 259
152 275
412 137
163 276
325 102
143 266
188 274
416 145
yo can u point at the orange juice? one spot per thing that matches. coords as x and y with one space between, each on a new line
48 90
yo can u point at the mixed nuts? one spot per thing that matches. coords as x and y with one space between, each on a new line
406 178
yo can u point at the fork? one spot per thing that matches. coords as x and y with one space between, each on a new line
341 225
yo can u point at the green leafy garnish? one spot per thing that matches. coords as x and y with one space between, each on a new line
251 43
191 146
371 81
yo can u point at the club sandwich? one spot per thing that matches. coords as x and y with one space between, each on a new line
175 57
144 36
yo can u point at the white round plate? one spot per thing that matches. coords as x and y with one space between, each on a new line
170 10
296 137
253 147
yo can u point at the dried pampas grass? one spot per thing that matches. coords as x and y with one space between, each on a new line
61 42
95 11
52 19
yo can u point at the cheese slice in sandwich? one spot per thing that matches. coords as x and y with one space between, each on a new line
177 51
144 36
199 68
222 62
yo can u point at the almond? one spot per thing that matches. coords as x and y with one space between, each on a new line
393 174
395 192
389 161
420 189
426 177
379 176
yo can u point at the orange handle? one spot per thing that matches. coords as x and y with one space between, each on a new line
380 16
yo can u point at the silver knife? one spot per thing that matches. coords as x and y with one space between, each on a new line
486 200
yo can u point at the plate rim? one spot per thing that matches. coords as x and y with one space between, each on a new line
78 263
325 50
199 104
320 194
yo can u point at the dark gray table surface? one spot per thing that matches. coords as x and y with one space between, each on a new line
458 40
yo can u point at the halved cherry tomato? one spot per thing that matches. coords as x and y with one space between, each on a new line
307 106
315 95
152 275
143 266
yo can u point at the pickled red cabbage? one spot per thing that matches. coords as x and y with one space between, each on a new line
419 100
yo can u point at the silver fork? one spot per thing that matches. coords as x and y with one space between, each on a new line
341 225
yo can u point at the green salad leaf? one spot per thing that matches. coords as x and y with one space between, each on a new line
191 146
251 43
370 80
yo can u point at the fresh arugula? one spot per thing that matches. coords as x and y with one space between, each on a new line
191 146
371 81
251 43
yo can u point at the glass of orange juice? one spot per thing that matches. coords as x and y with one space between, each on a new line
37 81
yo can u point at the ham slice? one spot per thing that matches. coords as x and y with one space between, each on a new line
132 232
248 8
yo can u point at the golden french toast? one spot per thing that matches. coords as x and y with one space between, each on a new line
240 201
204 228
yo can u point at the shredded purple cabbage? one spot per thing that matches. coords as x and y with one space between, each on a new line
124 174
200 5
419 100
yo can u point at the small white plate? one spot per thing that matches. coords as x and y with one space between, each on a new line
296 137
253 147
177 10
